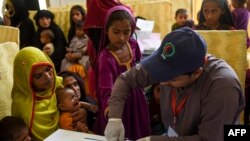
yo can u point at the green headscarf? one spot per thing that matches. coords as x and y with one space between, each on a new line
38 110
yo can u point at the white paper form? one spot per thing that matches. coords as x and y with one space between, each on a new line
66 135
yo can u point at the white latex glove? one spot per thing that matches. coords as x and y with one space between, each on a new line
114 130
144 139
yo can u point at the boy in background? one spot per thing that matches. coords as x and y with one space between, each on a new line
181 18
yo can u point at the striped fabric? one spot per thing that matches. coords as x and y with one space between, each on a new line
230 46
8 50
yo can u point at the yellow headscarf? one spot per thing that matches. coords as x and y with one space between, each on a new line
39 110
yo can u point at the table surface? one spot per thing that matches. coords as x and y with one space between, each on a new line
66 135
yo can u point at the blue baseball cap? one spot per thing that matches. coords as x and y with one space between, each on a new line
181 51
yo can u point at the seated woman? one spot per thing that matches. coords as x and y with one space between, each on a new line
33 93
75 82
44 20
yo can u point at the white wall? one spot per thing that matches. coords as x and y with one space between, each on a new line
1 6
42 4
53 3
58 3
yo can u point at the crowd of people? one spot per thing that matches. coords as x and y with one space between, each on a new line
95 80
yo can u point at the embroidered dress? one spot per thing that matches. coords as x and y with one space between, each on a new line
109 67
135 114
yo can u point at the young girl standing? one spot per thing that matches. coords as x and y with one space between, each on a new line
215 15
77 13
118 53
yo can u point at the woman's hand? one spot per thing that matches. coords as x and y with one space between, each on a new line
89 107
78 114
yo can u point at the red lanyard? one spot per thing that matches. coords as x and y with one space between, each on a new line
176 109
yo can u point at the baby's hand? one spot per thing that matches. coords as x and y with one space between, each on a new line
77 114
68 56
93 108
76 56
82 127
73 56
68 49
48 50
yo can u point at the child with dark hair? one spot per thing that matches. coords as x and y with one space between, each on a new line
240 16
97 10
46 38
68 101
119 52
76 58
77 50
75 82
77 13
13 129
181 18
215 15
